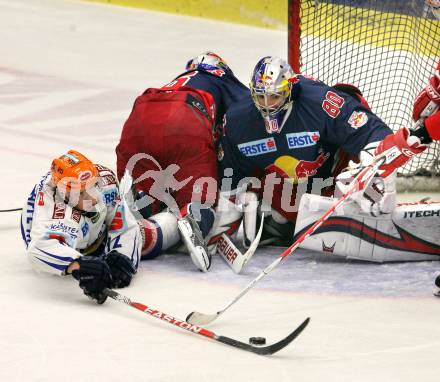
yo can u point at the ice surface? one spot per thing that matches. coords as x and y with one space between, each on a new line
69 72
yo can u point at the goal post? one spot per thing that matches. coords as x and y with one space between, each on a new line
387 48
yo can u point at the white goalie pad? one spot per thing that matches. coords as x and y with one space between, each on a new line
410 233
232 255
228 217
249 205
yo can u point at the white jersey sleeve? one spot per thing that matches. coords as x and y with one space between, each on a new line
56 234
50 237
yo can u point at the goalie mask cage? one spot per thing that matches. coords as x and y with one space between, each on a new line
387 48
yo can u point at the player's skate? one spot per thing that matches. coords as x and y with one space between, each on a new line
192 237
436 290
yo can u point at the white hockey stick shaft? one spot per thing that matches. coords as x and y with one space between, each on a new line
360 182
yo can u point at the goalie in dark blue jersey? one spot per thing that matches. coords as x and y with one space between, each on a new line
295 135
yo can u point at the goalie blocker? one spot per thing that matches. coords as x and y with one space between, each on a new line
405 235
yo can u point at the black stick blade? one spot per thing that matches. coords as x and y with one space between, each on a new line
265 350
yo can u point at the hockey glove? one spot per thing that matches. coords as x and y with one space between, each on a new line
380 196
398 149
432 126
121 268
93 276
428 100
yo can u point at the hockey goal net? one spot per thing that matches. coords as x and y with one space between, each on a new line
388 48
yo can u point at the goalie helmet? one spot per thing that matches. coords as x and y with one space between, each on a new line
73 171
271 85
207 61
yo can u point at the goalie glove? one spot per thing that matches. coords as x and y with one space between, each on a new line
380 196
396 150
428 100
430 128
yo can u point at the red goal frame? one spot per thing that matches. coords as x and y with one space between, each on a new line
294 34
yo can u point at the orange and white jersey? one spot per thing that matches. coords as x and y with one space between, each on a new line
56 233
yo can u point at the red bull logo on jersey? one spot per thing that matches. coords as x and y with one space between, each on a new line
304 139
295 169
357 119
259 147
306 168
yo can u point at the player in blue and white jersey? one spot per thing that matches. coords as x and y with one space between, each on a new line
75 223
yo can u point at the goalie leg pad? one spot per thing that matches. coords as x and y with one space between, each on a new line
249 202
229 213
228 216
405 235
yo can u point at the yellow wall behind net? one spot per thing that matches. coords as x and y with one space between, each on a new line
261 13
348 24
273 14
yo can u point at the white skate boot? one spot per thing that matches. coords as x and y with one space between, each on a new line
194 242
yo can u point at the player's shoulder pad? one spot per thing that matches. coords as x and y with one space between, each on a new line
240 116
314 94
217 72
46 186
213 75
42 194
308 86
108 184
44 182
313 89
216 75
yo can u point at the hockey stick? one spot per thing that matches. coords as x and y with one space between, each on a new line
12 210
360 182
232 255
261 350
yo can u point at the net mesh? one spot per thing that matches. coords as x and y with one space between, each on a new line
389 49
